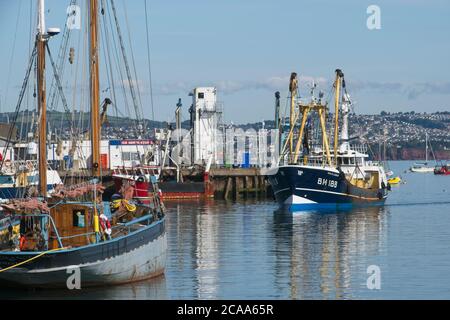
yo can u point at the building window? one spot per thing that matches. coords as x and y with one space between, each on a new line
126 156
201 95
131 156
135 156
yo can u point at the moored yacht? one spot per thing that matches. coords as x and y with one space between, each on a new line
422 167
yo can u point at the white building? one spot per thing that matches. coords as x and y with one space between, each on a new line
130 153
113 153
205 117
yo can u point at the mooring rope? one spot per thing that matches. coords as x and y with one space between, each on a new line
31 259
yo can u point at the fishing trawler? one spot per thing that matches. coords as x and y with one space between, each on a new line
324 178
46 238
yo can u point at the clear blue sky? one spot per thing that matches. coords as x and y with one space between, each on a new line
248 48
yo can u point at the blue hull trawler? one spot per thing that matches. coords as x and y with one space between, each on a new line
318 176
47 237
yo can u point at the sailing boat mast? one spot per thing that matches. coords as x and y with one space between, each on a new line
426 147
41 39
94 87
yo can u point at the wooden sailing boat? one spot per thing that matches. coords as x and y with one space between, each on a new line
49 237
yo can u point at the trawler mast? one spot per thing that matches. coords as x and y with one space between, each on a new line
304 110
293 86
337 85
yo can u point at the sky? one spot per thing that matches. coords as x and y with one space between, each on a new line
248 48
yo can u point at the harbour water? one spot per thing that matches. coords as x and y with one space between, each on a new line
251 250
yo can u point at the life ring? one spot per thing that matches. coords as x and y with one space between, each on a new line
105 224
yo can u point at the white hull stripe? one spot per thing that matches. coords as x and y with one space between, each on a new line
338 193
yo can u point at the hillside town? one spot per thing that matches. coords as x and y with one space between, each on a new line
402 134
406 129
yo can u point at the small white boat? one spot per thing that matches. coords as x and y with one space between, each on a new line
422 167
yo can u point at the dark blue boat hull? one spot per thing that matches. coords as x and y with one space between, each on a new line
136 256
306 187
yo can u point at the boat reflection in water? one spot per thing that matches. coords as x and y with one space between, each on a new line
196 257
152 289
207 256
327 253
245 250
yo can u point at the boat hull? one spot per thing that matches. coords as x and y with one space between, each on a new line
446 173
139 255
395 180
306 187
185 190
444 170
422 170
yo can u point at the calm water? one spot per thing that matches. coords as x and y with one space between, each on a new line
248 250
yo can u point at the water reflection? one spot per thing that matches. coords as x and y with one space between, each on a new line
194 233
207 255
152 289
328 253
245 250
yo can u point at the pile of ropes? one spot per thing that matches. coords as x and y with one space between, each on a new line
25 205
77 190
